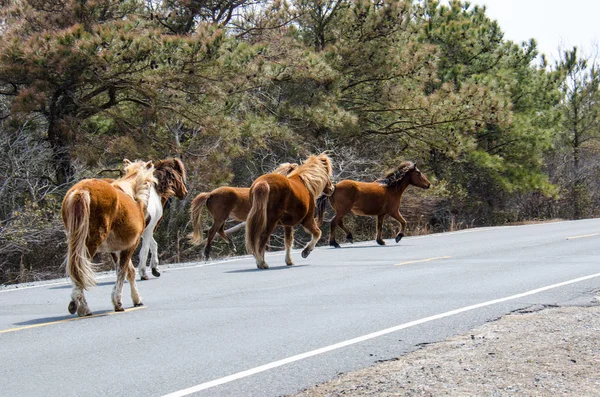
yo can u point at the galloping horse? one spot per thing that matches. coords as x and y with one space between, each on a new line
380 198
105 216
170 176
222 203
289 201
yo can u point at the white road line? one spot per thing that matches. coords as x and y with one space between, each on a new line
312 353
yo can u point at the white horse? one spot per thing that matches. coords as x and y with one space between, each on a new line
170 176
154 213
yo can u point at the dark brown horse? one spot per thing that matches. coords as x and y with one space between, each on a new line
105 216
380 198
223 203
288 201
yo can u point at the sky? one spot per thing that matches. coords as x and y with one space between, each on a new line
552 23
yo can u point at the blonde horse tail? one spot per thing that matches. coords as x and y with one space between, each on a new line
196 213
256 223
77 222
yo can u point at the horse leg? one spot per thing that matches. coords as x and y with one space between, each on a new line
210 237
349 237
334 222
264 240
288 232
310 226
154 258
135 295
225 237
118 287
144 256
398 216
380 219
79 303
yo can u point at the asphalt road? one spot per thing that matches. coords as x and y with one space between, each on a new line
228 329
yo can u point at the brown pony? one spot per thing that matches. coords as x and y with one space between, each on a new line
223 203
289 201
170 176
380 198
105 216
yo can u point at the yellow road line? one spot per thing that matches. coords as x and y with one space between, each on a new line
66 320
423 260
585 235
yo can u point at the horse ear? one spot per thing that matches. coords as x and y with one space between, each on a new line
180 168
149 164
126 161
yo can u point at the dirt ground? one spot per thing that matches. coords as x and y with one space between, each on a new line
551 352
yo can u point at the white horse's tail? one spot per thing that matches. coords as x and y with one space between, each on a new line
77 223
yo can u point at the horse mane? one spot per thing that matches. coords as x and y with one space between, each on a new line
314 173
393 178
285 168
137 180
169 172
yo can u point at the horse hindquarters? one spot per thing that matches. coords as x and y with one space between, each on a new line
76 217
256 223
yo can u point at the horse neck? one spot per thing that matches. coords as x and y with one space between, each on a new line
139 192
401 186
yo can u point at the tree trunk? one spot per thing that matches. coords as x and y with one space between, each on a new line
60 148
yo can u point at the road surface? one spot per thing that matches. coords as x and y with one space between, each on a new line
225 328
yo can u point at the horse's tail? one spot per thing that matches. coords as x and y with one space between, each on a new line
77 223
320 208
196 212
256 223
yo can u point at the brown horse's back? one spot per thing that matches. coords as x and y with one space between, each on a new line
230 201
110 209
289 202
361 198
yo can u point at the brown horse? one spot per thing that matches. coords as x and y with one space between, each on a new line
380 198
105 216
223 203
288 201
170 176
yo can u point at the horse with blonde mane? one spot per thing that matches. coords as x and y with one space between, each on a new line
105 216
289 201
380 198
170 181
223 203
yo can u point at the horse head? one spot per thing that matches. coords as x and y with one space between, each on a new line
171 178
417 178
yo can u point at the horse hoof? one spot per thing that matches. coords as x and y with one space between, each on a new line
263 266
380 241
399 236
155 272
334 244
350 239
83 311
72 307
144 277
119 308
289 263
305 253
138 304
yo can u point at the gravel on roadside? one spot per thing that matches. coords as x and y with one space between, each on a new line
550 352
